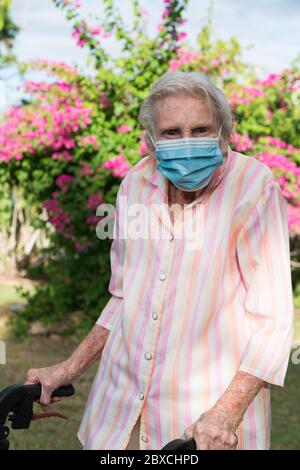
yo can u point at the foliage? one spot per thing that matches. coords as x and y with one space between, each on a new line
8 32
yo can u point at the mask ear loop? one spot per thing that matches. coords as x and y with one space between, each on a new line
154 145
219 136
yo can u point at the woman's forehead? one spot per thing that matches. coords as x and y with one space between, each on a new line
174 110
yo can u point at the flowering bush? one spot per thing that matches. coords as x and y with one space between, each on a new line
73 140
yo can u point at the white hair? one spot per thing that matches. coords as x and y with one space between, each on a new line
194 83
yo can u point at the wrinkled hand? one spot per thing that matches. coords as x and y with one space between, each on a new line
212 431
50 378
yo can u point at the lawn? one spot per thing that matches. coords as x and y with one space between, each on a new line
54 433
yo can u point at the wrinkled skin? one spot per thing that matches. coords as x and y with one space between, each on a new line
86 354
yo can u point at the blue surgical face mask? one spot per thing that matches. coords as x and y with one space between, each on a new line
190 162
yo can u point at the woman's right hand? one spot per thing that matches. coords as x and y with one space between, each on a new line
50 379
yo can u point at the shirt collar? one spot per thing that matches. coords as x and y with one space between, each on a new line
148 169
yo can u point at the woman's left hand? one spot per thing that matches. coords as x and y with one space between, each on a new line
212 431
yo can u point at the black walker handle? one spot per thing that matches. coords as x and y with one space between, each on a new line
181 444
16 404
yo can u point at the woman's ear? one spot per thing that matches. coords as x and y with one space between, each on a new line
150 146
151 151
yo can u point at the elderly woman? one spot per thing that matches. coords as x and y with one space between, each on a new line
200 322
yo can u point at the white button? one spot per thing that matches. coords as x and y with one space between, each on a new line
148 356
141 395
171 237
154 316
162 277
144 438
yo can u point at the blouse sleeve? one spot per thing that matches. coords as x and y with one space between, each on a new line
263 254
117 253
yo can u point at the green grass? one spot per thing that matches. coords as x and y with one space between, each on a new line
297 327
285 405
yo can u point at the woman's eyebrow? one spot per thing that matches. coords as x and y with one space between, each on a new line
178 128
171 128
200 126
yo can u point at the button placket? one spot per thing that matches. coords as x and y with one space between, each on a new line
168 261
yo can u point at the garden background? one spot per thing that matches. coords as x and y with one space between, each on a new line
69 134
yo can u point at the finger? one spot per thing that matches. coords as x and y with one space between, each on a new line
188 434
53 399
235 442
45 396
31 381
202 444
231 441
30 377
205 441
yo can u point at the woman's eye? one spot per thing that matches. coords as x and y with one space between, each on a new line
200 130
171 132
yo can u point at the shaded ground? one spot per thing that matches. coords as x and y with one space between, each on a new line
54 433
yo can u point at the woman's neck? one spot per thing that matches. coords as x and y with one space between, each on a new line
182 197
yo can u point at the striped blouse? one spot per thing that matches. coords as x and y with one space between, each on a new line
189 308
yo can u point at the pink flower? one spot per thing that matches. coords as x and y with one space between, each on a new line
81 246
242 142
104 100
275 141
143 148
271 80
94 201
166 13
118 166
89 140
78 37
184 57
59 218
123 129
181 36
96 31
49 126
64 154
86 170
293 216
51 205
63 179
92 220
